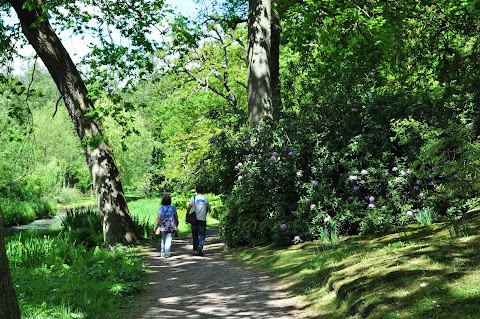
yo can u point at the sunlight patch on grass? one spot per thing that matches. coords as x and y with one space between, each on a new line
467 287
415 274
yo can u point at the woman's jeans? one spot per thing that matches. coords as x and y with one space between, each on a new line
166 243
199 229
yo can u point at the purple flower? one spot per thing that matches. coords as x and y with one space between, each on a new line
299 132
247 141
362 181
371 199
403 173
371 205
416 187
364 172
350 197
249 155
290 153
274 154
314 182
456 175
409 213
296 238
386 173
394 169
273 158
430 184
352 177
283 226
356 188
326 219
312 207
421 195
299 173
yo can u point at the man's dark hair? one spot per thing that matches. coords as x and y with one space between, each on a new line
199 189
167 200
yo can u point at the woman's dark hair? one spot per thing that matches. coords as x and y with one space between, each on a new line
167 200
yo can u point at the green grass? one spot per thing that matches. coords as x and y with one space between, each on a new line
145 211
55 277
413 273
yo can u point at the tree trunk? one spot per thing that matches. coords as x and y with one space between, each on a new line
259 55
9 308
117 223
275 66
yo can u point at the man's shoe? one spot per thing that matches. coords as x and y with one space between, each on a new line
200 251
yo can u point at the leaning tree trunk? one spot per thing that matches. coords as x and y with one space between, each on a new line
117 223
9 308
259 55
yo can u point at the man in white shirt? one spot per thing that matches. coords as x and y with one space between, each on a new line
199 204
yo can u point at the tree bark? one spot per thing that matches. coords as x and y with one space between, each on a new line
117 223
275 65
9 308
259 56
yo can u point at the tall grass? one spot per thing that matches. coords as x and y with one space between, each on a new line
57 277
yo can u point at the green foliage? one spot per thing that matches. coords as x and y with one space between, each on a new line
20 205
68 195
80 281
82 218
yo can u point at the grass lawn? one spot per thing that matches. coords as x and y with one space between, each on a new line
414 272
146 211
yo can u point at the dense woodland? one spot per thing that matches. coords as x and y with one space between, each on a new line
308 118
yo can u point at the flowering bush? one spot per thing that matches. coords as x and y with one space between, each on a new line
282 181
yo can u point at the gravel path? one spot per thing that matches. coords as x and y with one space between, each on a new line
187 286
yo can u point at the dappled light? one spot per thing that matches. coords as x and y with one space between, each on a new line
184 286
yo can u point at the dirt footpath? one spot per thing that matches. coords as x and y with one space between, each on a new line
185 286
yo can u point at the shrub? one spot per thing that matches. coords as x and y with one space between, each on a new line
16 212
68 195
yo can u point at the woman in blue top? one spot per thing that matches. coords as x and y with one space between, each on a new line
166 225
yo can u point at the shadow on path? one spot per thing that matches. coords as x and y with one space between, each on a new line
187 286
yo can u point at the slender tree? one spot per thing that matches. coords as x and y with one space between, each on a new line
117 223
